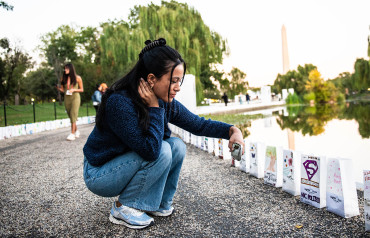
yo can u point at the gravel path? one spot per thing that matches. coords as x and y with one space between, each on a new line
42 194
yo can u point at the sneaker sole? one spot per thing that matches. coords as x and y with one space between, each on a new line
122 222
159 214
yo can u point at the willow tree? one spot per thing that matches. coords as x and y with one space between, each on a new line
361 79
181 26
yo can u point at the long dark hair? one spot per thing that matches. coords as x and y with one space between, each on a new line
71 75
156 58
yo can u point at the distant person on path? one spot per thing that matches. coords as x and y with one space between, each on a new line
103 87
71 86
247 97
225 98
96 98
130 153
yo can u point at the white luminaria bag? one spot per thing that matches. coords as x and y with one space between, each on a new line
291 172
225 150
215 147
210 145
220 148
186 136
341 194
193 139
199 142
257 159
313 180
367 199
245 161
205 148
202 145
273 170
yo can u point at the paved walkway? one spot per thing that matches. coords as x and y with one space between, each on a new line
235 107
42 194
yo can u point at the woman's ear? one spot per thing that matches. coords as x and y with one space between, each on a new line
151 80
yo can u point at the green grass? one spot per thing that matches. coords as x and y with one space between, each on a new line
23 114
233 118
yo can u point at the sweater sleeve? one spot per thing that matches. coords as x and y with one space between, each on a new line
122 118
182 117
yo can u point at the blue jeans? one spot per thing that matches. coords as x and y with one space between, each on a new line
138 183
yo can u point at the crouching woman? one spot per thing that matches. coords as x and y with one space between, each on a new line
129 153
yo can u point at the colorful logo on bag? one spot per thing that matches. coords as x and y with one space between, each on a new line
311 168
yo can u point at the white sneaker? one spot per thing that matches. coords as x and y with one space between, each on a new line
71 137
162 212
130 217
77 134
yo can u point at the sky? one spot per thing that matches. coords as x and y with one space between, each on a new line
330 34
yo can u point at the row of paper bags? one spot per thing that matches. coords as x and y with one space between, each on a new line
318 181
31 128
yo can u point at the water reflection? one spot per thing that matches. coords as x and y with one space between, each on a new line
312 120
346 127
359 111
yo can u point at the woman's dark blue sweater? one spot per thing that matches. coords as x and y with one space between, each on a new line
122 133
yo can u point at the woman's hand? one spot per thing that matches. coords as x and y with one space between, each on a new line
147 94
236 136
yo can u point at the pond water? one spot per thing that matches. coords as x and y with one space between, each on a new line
328 130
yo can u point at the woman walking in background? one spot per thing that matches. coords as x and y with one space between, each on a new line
71 86
96 97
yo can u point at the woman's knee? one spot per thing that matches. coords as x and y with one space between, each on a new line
178 147
165 156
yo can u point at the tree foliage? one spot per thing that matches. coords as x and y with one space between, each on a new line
238 84
295 79
361 75
40 83
323 91
181 26
6 6
13 64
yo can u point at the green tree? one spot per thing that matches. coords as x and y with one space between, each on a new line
361 76
295 79
343 82
13 65
323 91
181 26
238 84
40 83
6 6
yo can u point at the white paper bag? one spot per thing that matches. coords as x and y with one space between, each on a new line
215 147
210 145
257 159
273 172
341 194
30 128
367 199
2 130
225 150
220 148
205 147
245 161
313 180
193 139
292 172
